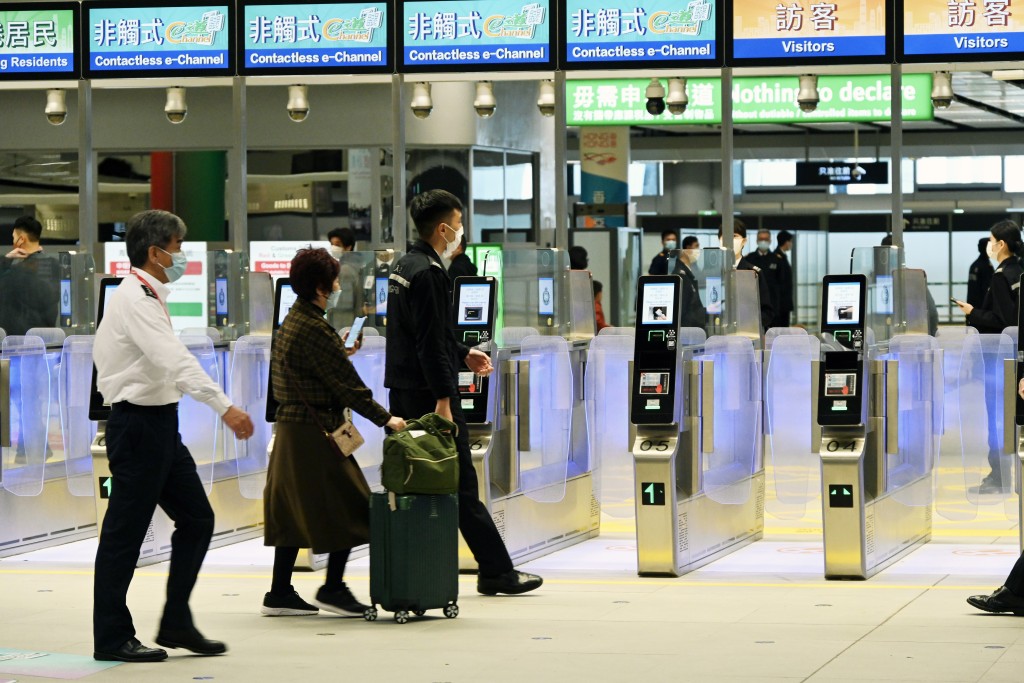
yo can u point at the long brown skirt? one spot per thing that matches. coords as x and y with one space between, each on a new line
314 498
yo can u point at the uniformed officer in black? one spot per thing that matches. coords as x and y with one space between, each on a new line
980 276
669 243
998 310
785 279
739 241
421 366
764 258
692 311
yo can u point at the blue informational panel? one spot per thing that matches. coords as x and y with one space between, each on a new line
39 41
655 34
146 40
958 30
475 35
315 37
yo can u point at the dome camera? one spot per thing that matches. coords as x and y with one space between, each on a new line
546 98
485 104
176 109
942 90
421 104
298 103
807 98
655 97
677 99
56 107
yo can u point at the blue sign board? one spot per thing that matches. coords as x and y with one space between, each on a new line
640 33
127 40
958 30
475 35
325 37
39 41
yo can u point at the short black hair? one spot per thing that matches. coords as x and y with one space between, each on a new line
983 246
738 228
30 226
887 240
346 235
430 208
578 258
153 228
666 233
312 271
783 237
598 287
689 241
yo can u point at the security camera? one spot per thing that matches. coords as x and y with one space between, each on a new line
298 103
56 108
176 109
677 99
485 104
546 98
942 90
655 98
807 98
421 103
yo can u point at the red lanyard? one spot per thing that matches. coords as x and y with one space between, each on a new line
149 288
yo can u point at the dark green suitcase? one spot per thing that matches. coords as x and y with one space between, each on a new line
414 555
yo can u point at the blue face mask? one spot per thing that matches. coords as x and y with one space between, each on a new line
332 300
179 262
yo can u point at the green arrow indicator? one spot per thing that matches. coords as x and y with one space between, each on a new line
846 492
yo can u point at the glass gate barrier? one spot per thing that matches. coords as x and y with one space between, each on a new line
544 422
24 461
363 279
793 470
53 338
919 422
735 455
533 290
912 310
74 382
744 320
607 385
878 265
198 424
369 363
250 375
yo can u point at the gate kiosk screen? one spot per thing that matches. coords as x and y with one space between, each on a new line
655 351
841 393
99 411
842 309
474 325
284 299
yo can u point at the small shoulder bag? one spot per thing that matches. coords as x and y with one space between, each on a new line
346 439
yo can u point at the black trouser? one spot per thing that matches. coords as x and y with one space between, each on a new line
1015 581
475 521
150 466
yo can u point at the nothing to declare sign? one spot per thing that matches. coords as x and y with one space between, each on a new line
333 37
809 31
636 33
146 40
475 35
38 41
959 30
770 99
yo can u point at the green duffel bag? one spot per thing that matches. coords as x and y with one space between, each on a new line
422 458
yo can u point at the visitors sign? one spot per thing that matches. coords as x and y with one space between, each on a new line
958 30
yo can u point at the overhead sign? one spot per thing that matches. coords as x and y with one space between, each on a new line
770 99
640 33
276 257
817 173
958 30
810 32
146 40
329 37
39 41
475 35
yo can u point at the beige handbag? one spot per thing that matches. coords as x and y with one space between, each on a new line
346 437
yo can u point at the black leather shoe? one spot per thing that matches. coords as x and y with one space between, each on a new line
190 640
989 485
510 583
131 651
1001 601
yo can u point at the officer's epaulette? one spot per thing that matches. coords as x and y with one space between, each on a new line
757 269
778 255
149 292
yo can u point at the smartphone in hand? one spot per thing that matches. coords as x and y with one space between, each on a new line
354 332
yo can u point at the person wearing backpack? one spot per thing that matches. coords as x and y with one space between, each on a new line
421 371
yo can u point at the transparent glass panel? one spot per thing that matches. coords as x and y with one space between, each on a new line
964 422
544 459
74 384
920 417
793 467
878 265
29 292
24 462
607 401
250 375
198 425
533 290
708 311
745 320
737 429
369 363
912 301
363 279
53 338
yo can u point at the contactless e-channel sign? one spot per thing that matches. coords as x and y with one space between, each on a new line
39 41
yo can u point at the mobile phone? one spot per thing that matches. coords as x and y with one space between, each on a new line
955 301
354 332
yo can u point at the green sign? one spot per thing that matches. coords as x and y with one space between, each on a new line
769 99
38 41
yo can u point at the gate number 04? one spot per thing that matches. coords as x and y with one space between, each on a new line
835 446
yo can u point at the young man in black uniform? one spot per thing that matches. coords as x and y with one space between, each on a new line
980 276
692 311
659 264
785 279
422 362
739 241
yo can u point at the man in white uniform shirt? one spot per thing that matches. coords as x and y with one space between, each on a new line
142 370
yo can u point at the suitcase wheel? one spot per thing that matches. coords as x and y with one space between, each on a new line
451 611
370 614
419 612
401 616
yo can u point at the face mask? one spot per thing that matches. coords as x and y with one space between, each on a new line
450 247
446 262
991 250
337 251
763 245
332 300
737 245
693 255
670 245
179 262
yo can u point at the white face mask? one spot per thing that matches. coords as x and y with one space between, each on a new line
337 251
991 250
450 247
737 245
693 255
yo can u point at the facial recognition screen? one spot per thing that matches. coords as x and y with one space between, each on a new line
287 300
381 296
546 296
109 285
843 303
474 305
65 298
222 296
657 306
